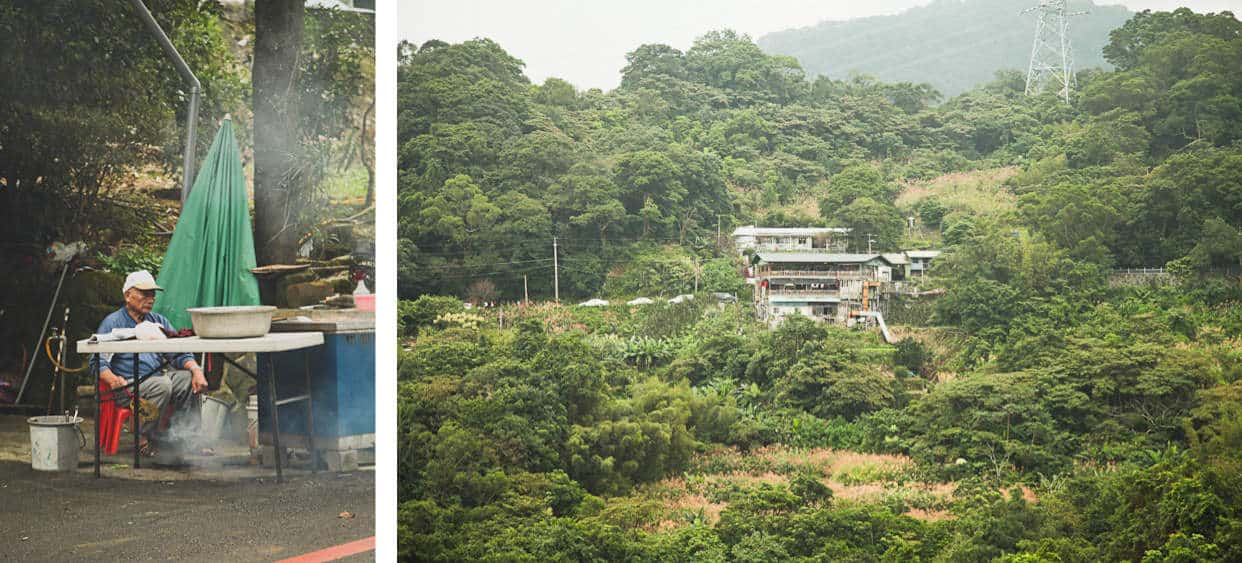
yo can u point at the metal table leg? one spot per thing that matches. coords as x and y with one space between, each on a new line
310 417
98 409
271 403
137 416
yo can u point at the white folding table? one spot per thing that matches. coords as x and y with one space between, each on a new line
271 342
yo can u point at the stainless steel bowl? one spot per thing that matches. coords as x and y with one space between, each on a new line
232 322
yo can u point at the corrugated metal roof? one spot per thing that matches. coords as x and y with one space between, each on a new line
895 258
922 253
818 257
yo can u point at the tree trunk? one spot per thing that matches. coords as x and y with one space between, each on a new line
365 157
277 187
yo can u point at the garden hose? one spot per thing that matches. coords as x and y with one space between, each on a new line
47 346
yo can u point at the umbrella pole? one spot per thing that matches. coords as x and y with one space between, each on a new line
34 357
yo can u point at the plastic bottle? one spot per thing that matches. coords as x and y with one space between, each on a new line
363 299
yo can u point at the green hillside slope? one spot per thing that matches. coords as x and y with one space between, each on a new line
953 45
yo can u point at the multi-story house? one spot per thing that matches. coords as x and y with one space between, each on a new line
819 285
800 270
754 238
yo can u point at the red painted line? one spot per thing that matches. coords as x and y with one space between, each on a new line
335 552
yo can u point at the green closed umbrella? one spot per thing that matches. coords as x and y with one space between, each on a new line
209 259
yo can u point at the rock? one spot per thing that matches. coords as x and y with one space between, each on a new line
308 293
342 283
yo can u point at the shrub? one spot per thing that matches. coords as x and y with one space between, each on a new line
422 312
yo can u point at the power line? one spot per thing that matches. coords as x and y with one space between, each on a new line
495 249
536 241
481 265
488 274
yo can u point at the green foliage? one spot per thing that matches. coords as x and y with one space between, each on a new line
646 352
958 232
856 182
992 526
831 379
82 112
995 423
911 356
337 74
808 487
422 312
661 272
131 259
906 47
869 218
722 275
931 211
690 139
1077 419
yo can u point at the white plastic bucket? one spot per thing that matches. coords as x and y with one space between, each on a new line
54 442
215 415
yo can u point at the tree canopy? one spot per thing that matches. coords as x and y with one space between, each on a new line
1036 407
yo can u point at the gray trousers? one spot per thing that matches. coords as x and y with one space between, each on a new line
173 387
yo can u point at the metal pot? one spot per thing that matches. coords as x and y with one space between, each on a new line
232 322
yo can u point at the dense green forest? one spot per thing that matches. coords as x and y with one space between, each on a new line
1035 411
954 45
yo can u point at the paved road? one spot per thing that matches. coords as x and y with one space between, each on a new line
61 517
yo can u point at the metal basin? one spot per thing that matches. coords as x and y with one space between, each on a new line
231 322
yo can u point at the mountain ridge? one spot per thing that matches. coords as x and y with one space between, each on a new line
936 47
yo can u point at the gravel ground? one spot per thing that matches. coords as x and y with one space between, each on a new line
215 512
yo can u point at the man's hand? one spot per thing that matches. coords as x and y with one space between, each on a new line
198 382
113 380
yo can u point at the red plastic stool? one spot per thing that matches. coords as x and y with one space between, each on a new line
111 419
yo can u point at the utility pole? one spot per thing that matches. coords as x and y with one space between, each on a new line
869 241
1051 54
696 275
525 291
556 273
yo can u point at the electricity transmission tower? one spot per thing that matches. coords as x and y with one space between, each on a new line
1051 56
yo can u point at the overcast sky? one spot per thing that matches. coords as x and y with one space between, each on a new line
585 42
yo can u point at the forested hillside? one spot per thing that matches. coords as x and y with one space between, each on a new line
954 45
1033 410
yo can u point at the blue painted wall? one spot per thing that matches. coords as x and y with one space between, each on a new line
343 377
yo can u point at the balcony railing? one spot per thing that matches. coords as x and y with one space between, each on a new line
831 248
838 275
806 292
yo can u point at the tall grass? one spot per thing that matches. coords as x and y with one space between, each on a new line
978 192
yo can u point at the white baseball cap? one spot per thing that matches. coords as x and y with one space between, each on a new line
141 279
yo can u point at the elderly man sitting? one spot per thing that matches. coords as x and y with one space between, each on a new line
166 378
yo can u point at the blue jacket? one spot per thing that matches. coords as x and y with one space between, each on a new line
123 364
